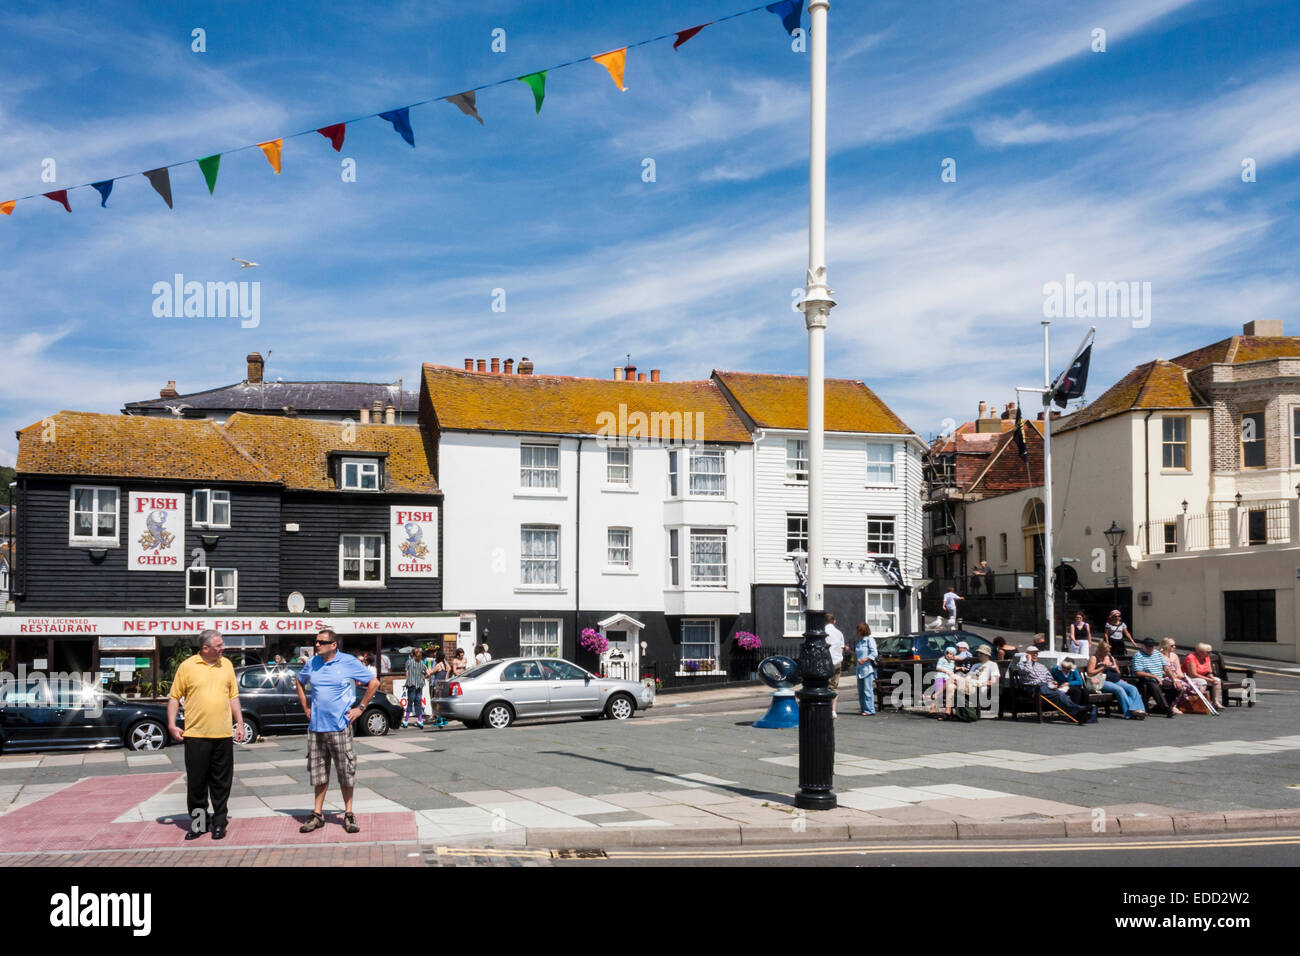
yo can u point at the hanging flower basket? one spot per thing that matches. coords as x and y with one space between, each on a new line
748 642
593 641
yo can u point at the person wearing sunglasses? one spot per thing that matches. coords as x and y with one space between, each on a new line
333 677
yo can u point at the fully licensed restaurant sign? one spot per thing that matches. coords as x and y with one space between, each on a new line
16 626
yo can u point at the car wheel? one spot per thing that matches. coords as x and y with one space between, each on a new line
146 735
250 731
498 716
374 722
620 707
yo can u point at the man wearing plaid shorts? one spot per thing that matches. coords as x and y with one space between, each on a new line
333 677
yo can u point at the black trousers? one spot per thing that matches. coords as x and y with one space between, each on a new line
1150 687
209 770
1065 703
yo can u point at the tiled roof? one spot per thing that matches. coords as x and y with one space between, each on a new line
297 450
1241 348
272 398
125 446
1157 384
1004 471
781 401
562 405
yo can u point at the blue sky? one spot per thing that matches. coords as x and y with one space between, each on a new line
1122 165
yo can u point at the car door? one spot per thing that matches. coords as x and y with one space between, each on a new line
295 718
524 686
82 717
572 690
28 715
259 697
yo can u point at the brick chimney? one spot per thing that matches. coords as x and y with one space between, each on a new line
376 411
365 415
630 371
1010 411
1263 327
496 366
168 390
469 365
482 365
509 366
654 375
390 414
640 376
525 366
255 366
618 373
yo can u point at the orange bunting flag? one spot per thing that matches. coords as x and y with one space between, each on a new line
272 150
8 207
614 61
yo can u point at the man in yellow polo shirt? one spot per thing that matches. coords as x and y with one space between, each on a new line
206 681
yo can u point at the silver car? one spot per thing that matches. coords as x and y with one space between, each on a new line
498 693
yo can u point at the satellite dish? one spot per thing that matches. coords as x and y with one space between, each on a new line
296 602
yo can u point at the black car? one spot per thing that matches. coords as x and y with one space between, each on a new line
67 716
268 699
907 652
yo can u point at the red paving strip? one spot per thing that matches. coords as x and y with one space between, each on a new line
80 818
386 855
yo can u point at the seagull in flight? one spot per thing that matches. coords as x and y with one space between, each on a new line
244 263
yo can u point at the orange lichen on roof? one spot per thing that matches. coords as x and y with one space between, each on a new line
781 401
127 446
1157 384
564 405
1241 348
297 450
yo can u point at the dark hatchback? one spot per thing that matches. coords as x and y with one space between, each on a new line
269 701
76 716
908 651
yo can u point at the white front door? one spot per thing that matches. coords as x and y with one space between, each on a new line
622 660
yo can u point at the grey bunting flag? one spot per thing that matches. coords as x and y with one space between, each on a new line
467 103
161 181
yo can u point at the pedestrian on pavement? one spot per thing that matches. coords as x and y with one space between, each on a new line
1034 674
1080 635
438 675
1103 676
481 655
835 642
985 574
459 663
417 673
206 682
333 677
865 653
950 605
1116 633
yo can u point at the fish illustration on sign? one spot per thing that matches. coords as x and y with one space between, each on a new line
156 536
414 546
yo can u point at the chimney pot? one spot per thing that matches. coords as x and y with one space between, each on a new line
482 365
390 414
496 366
1010 410
640 376
631 373
510 366
255 366
654 375
984 408
168 390
365 415
376 411
469 365
618 373
525 366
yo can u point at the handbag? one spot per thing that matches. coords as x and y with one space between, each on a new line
1096 682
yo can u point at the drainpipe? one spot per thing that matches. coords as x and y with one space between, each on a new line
1146 479
577 554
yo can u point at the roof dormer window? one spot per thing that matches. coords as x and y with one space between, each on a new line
359 474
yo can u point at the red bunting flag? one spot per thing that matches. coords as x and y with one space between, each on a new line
684 35
334 134
59 196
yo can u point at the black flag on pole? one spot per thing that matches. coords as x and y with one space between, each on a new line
1074 380
1021 447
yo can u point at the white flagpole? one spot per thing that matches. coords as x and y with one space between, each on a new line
1049 574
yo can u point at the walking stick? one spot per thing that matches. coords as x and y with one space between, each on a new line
1057 706
1208 706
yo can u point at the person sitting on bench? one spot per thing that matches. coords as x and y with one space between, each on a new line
976 684
1148 675
1034 674
1199 669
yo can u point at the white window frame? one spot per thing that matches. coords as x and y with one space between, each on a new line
711 584
884 623
530 649
674 557
204 516
363 466
361 560
702 454
4 576
94 538
541 561
533 477
618 474
210 589
795 616
625 546
803 516
881 538
876 468
1295 436
796 454
713 645
1168 443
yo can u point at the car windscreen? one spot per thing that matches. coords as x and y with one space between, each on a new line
478 671
895 646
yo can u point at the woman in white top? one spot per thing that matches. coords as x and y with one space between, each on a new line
481 655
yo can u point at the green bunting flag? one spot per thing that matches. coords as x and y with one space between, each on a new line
537 83
209 166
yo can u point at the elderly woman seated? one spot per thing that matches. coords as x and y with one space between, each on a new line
1199 669
976 685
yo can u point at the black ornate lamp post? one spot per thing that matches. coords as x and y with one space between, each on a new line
1115 537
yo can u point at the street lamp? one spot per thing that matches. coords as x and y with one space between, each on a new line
1115 537
816 699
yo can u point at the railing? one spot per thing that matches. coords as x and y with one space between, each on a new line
1258 523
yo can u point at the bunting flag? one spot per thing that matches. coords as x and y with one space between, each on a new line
209 166
467 103
684 35
537 83
401 120
614 61
104 189
59 196
790 12
272 150
334 134
161 180
7 207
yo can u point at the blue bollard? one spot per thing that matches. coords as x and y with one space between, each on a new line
779 673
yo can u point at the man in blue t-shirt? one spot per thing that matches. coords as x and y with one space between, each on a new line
333 677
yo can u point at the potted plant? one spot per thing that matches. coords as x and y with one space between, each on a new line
750 645
593 642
